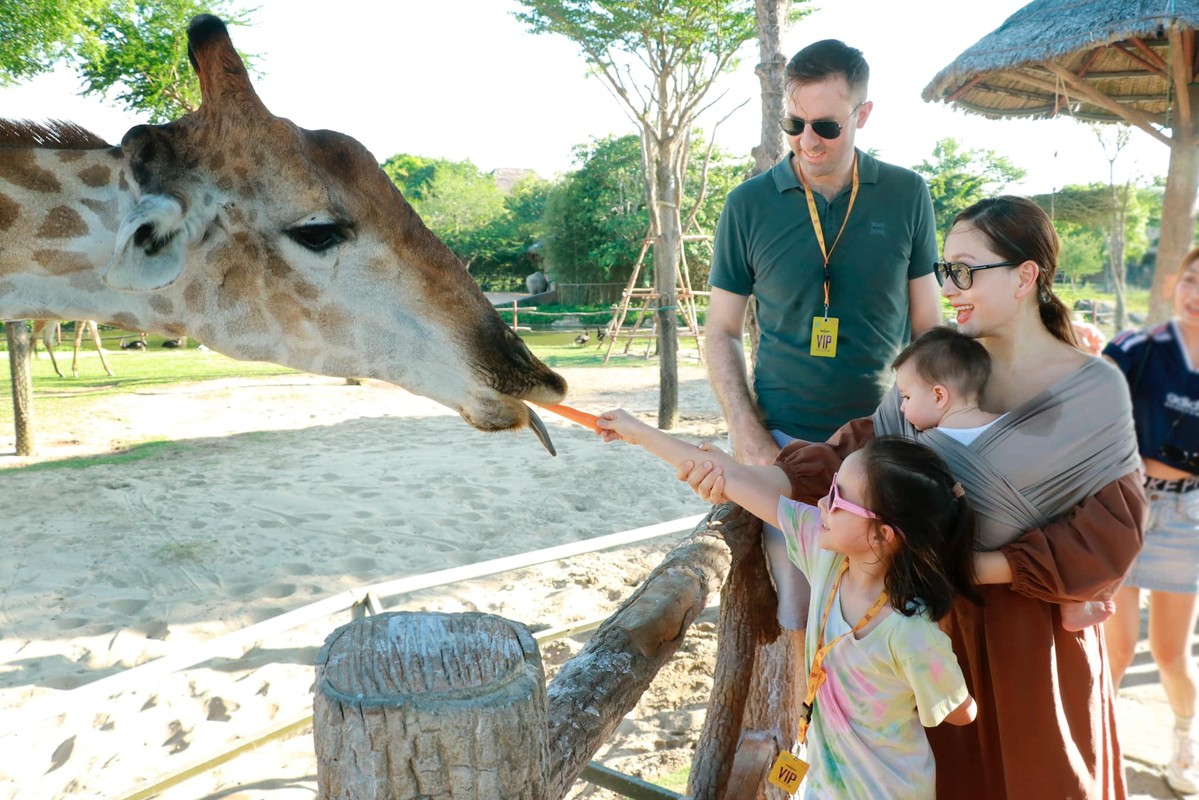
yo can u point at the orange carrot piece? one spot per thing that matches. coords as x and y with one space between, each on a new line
574 415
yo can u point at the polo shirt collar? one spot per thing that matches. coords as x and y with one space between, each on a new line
784 176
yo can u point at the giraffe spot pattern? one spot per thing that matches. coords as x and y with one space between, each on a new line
62 223
96 175
162 305
10 210
20 167
62 262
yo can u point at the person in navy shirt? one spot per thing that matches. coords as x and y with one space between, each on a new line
1160 364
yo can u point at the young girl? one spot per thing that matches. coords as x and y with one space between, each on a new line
885 552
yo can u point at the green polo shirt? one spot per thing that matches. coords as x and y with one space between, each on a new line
765 246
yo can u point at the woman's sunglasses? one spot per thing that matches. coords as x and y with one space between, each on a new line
824 128
961 274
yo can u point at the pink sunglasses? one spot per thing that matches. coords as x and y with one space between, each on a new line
836 501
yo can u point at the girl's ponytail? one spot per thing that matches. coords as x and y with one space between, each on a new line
909 486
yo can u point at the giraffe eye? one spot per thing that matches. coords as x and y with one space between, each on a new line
318 236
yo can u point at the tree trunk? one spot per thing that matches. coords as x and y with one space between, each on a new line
429 706
771 63
1119 269
771 147
21 371
747 621
594 690
1178 224
667 195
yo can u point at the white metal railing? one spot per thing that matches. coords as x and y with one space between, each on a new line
242 640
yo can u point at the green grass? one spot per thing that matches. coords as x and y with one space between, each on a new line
558 349
133 453
674 781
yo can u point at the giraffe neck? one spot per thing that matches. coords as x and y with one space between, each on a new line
59 215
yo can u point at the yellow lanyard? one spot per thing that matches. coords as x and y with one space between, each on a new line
828 253
817 675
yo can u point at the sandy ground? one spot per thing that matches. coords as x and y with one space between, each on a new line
281 492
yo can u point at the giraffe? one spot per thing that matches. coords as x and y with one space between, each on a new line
51 332
263 240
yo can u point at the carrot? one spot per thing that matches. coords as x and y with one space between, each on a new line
574 415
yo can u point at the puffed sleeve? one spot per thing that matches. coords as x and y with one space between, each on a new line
810 466
1084 555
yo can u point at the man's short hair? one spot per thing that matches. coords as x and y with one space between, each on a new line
825 59
944 356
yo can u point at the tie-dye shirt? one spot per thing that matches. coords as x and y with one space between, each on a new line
867 735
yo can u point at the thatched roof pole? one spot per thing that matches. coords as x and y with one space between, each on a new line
1132 62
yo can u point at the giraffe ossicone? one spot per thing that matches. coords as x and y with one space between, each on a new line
263 240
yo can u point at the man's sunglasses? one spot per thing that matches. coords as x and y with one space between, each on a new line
824 128
961 274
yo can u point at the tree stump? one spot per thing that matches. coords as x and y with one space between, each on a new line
21 370
430 705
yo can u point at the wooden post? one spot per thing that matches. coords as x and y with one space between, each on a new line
515 328
21 368
430 705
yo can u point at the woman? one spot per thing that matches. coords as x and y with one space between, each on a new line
1060 505
1160 364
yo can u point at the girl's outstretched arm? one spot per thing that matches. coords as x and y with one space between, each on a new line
755 488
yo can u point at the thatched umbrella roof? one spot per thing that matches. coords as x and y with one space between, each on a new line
1100 60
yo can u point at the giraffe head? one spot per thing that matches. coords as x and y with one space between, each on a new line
293 246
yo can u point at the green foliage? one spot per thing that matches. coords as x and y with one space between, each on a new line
595 218
1076 209
1081 251
958 177
133 51
37 34
412 174
490 231
663 32
499 250
458 199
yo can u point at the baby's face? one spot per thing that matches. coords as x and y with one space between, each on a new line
919 401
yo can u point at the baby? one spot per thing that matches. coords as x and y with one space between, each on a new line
940 377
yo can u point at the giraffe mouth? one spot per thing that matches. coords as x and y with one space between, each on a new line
542 434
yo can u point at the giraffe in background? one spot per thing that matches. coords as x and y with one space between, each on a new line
263 240
51 333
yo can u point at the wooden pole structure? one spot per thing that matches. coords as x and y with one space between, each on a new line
430 705
21 369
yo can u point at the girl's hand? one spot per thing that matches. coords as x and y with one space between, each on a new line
618 425
704 478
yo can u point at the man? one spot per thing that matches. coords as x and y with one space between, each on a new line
837 248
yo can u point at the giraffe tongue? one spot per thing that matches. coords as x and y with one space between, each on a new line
542 434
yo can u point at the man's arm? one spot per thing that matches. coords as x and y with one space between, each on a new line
725 354
924 304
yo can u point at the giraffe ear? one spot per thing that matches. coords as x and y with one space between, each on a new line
151 247
171 214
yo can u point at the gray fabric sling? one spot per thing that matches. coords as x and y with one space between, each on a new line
1035 464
